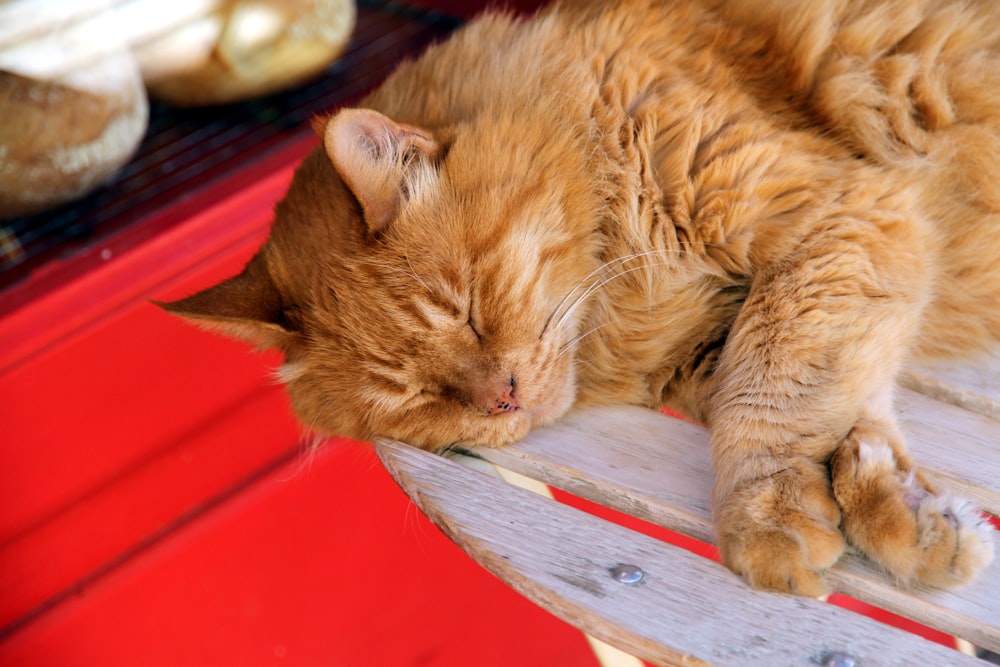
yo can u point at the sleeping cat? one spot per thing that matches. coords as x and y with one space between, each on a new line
751 212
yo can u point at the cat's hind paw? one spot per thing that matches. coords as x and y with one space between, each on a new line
891 515
781 532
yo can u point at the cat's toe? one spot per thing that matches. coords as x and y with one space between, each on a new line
891 516
787 563
955 539
781 534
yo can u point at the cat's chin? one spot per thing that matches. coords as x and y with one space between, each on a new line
502 430
550 411
557 402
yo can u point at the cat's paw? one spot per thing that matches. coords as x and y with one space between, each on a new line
890 515
781 532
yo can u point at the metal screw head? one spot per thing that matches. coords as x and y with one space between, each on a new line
627 574
838 659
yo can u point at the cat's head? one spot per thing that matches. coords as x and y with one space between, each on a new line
423 286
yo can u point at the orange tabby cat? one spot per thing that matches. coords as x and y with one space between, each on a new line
752 212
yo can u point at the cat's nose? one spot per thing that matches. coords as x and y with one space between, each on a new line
506 401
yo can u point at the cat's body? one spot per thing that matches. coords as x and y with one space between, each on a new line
751 212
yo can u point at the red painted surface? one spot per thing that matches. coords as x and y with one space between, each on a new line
320 562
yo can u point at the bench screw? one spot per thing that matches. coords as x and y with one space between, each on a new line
837 659
627 574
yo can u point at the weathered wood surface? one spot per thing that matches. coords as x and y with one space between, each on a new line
658 469
685 611
973 386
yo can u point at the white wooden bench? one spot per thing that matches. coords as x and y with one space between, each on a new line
669 606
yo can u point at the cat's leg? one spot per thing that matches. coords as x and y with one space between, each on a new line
895 516
820 333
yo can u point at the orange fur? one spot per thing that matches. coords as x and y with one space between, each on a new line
753 212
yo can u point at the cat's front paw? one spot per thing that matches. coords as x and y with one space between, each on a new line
781 532
894 518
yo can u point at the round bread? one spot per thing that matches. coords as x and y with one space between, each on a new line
62 137
245 49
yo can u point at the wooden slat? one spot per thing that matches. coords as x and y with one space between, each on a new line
685 611
974 385
634 460
960 448
659 469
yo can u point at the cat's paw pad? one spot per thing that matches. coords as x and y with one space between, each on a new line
781 534
891 516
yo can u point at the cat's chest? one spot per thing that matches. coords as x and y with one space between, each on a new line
654 331
714 161
698 182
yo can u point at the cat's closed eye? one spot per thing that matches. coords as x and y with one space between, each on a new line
475 329
476 321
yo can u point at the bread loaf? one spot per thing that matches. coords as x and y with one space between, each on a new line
63 136
244 49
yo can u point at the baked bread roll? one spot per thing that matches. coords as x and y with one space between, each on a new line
244 49
63 136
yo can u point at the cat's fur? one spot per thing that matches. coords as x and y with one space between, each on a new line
752 212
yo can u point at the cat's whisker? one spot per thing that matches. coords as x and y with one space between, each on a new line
602 269
565 298
597 286
570 345
621 260
414 272
310 441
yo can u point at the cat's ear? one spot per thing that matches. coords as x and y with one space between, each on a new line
248 306
373 154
